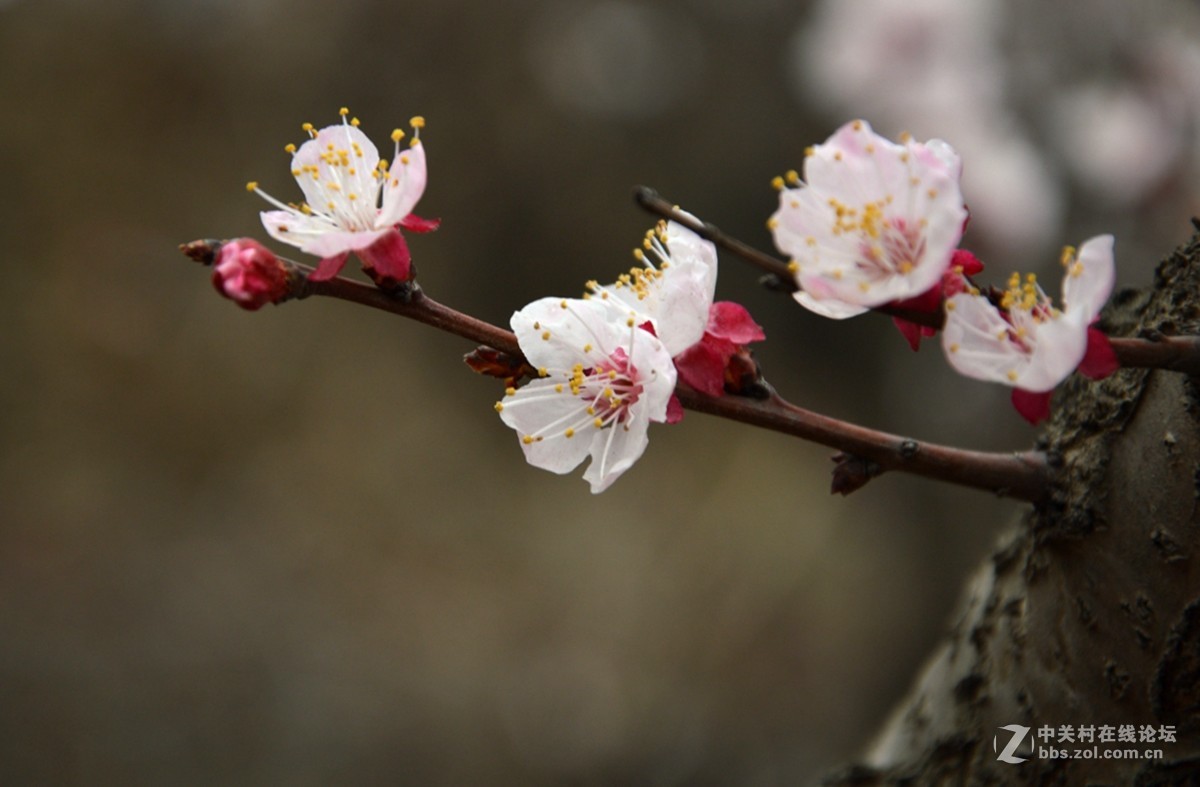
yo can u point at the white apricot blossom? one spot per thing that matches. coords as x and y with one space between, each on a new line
1026 342
601 381
675 295
342 177
871 221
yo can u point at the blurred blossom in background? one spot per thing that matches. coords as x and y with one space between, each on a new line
297 546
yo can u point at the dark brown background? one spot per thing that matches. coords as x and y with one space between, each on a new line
298 547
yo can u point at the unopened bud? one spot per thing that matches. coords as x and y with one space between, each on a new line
250 275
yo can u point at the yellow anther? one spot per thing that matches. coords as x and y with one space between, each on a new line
837 274
629 323
638 255
932 193
612 374
905 137
343 111
808 151
417 122
954 347
1077 270
777 183
1012 375
793 267
546 336
858 125
527 440
252 186
837 156
397 135
558 388
772 223
1031 278
562 304
598 423
498 407
289 148
509 391
587 348
950 306
864 286
569 434
1068 254
869 148
906 267
792 177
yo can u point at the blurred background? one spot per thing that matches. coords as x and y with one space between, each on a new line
298 547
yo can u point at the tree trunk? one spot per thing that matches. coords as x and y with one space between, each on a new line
1088 614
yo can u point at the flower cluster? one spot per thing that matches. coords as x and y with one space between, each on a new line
871 224
876 224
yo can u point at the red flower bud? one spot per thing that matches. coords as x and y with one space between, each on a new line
248 273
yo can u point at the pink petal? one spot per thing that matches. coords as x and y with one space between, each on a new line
1033 407
729 320
910 331
674 410
388 257
404 186
702 365
1100 360
329 267
969 263
414 223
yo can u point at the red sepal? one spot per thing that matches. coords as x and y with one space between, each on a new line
1033 407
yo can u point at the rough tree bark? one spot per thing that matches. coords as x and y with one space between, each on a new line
1088 613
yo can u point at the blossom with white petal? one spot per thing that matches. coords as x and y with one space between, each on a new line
674 296
602 380
1027 342
342 177
871 222
674 300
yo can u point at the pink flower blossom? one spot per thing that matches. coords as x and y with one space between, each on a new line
871 222
602 380
342 177
1027 342
249 274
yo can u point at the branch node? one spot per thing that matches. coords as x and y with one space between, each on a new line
909 449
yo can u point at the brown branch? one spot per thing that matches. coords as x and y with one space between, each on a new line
1023 476
1175 353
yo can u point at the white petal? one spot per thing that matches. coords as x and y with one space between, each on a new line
655 373
829 307
1089 281
685 295
976 343
405 185
317 187
1061 345
614 450
558 333
536 409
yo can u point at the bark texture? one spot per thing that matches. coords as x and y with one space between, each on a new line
1088 613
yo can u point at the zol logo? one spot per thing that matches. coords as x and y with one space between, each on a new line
1018 735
